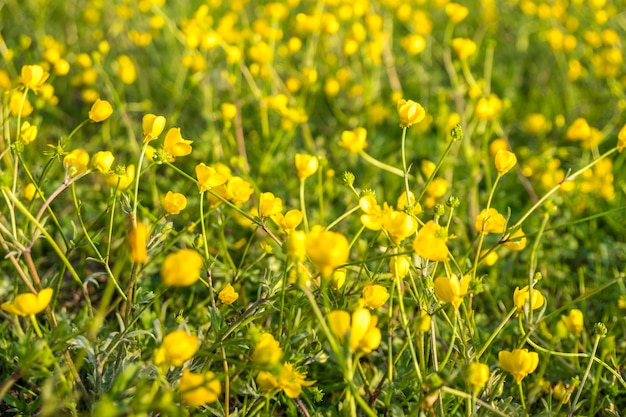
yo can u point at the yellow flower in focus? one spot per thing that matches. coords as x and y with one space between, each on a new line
173 203
354 140
518 363
374 295
153 126
490 221
399 265
267 351
177 347
228 295
338 278
208 177
29 304
464 47
372 218
33 77
269 205
175 145
28 132
137 241
430 242
456 12
574 321
122 178
76 162
410 112
399 225
199 389
579 130
359 329
289 221
181 268
306 165
504 161
521 298
517 241
476 376
102 161
327 250
621 139
100 111
289 380
451 289
403 202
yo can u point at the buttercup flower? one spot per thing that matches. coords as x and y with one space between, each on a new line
76 162
269 205
504 161
296 245
517 241
476 376
28 132
354 140
153 126
399 265
208 177
30 191
574 321
451 289
181 268
289 221
374 295
430 242
464 47
456 12
175 145
360 329
102 161
306 165
229 111
267 352
17 103
488 108
177 347
289 380
137 242
490 221
122 178
410 112
173 203
28 304
399 225
327 250
521 297
33 77
518 363
372 218
228 295
100 111
579 130
338 278
199 389
621 139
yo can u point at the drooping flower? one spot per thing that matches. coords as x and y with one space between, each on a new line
208 177
102 161
518 363
197 389
177 347
327 250
28 304
359 329
228 295
374 295
173 203
269 205
430 242
451 289
267 351
33 77
574 321
100 111
490 221
504 161
137 238
153 126
410 112
306 165
521 297
175 145
476 376
181 268
354 140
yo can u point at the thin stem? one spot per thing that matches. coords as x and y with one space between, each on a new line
596 342
381 165
303 207
495 333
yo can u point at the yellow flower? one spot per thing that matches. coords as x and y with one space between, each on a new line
399 265
464 47
402 202
76 162
175 145
456 12
137 241
33 77
504 161
579 130
289 221
100 111
229 111
490 221
451 289
125 69
430 242
173 203
327 250
338 278
269 205
289 380
296 245
374 295
574 321
521 297
102 161
413 43
28 132
399 225
518 363
177 347
181 268
488 108
228 295
153 126
354 140
410 112
517 241
30 192
239 190
621 139
359 329
267 351
306 165
208 177
18 105
373 217
29 304
122 178
199 389
476 376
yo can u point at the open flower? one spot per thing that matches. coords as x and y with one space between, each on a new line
267 351
208 177
197 389
289 380
399 225
269 205
359 329
102 161
518 363
175 145
76 162
327 250
521 297
410 112
374 295
451 289
490 221
574 321
228 295
181 268
33 76
29 304
153 126
177 347
430 242
354 140
100 111
517 241
173 203
28 132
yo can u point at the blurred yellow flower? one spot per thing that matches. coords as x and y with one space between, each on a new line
410 112
359 329
476 376
173 203
181 268
374 295
403 202
175 145
354 140
18 105
464 47
289 380
289 221
451 289
208 177
76 162
28 132
176 348
306 165
228 295
137 238
456 12
102 161
504 161
100 111
518 363
229 111
30 191
269 205
574 321
579 130
199 389
413 43
521 297
399 225
267 351
327 250
29 304
621 139
517 241
153 126
125 69
490 221
399 265
430 242
33 77
488 108
296 245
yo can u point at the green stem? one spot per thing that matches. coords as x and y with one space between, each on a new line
381 165
303 207
495 333
596 342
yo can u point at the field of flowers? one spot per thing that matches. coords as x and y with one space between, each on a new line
312 208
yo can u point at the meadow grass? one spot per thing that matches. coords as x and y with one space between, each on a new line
311 208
